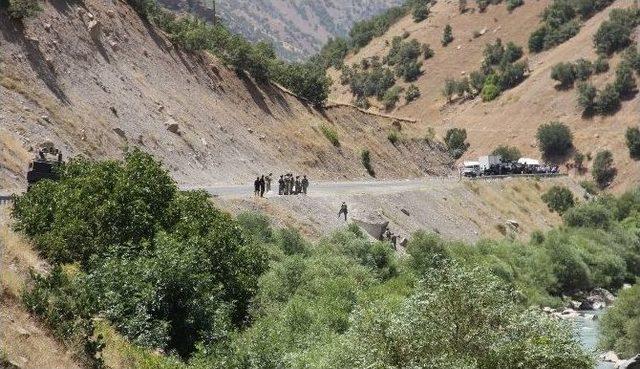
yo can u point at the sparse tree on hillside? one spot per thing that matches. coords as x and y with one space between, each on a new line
578 161
625 82
447 35
554 139
455 139
420 13
462 6
564 73
608 100
508 153
20 9
603 170
449 88
412 93
586 97
462 87
559 199
482 5
427 51
633 142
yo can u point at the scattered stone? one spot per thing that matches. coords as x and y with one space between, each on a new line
120 133
22 332
113 110
405 211
249 130
161 108
626 286
47 27
111 13
114 45
459 47
483 31
572 304
173 128
263 137
90 16
548 310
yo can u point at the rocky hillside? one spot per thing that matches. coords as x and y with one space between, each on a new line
515 115
296 28
94 79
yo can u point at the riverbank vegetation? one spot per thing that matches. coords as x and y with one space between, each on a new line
172 273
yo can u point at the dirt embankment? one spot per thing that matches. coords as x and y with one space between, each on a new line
94 79
514 117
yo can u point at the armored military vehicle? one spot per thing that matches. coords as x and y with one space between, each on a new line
44 165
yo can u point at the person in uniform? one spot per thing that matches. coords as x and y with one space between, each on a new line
268 182
281 185
256 187
305 184
343 210
262 186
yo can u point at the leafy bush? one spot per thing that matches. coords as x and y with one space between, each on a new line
608 100
489 92
373 82
393 136
455 139
554 139
166 267
20 9
331 134
620 324
583 69
427 51
632 137
612 36
603 170
482 5
307 80
412 93
625 82
420 13
587 94
508 153
512 4
559 199
391 97
590 187
601 65
447 35
365 158
564 73
334 52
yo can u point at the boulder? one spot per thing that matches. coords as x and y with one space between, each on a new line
610 357
120 133
95 29
601 295
633 363
173 128
373 224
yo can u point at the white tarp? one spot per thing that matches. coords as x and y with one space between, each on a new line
528 161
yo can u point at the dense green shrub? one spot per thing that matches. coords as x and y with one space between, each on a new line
608 100
564 73
447 35
590 187
621 324
456 141
583 69
589 216
632 137
512 4
508 153
365 158
412 93
20 9
554 139
601 65
603 170
393 136
334 52
307 80
625 82
587 94
559 199
391 97
372 82
427 51
420 13
482 5
450 87
615 34
331 134
489 92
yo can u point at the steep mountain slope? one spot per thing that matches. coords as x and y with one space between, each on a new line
514 117
296 28
94 79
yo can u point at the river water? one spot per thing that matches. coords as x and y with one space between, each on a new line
588 330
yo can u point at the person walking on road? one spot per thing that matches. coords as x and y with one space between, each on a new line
256 187
343 210
262 184
305 184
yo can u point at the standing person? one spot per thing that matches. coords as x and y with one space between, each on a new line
262 186
343 210
268 179
297 185
281 186
286 184
256 187
291 183
305 184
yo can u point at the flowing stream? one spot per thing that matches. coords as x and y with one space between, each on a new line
588 330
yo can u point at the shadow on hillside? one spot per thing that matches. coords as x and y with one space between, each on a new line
64 7
14 32
153 33
254 91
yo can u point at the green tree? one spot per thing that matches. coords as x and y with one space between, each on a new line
391 97
603 170
620 325
586 96
412 93
508 153
554 139
625 82
633 142
564 73
447 35
449 89
455 139
365 158
559 199
608 100
611 36
420 13
307 80
489 91
20 9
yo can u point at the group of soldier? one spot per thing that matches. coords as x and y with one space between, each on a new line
287 184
